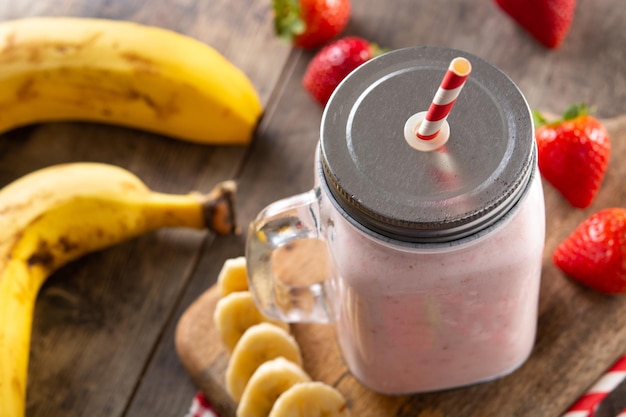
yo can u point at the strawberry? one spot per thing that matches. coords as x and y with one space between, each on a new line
595 253
548 21
310 23
333 63
573 154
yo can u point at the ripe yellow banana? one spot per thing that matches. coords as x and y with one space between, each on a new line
267 383
61 68
54 215
310 399
258 344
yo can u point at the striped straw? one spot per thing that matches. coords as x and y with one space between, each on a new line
622 413
587 405
444 99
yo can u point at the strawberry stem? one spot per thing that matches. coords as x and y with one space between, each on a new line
377 50
570 113
575 110
287 20
539 119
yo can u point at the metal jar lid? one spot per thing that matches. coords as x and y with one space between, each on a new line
413 196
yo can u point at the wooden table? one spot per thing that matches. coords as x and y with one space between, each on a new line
104 325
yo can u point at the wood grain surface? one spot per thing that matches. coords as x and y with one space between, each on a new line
104 327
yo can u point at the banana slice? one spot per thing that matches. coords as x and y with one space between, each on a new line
233 276
258 344
271 379
235 313
310 399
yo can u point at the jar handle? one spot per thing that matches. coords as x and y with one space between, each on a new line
277 240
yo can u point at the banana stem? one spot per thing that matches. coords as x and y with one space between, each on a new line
219 209
214 211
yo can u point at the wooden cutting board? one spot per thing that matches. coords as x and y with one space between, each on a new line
546 385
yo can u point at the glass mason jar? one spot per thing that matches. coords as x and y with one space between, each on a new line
435 256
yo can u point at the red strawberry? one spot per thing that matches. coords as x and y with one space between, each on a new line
548 21
333 63
310 23
573 154
595 253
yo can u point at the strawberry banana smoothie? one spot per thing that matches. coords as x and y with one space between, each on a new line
435 227
421 319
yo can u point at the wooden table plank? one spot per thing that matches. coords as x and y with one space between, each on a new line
167 388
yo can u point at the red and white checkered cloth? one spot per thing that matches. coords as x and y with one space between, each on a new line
201 407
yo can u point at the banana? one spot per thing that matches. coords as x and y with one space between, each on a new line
233 276
268 382
116 72
258 344
310 399
235 313
56 214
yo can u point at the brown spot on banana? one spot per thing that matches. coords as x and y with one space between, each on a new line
26 90
10 208
46 255
68 246
42 257
37 51
140 63
161 111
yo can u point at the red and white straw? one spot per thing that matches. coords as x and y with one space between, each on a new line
587 405
622 413
449 89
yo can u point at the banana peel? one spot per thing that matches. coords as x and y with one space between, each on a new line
122 73
55 215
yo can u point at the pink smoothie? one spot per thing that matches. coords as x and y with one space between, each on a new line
422 319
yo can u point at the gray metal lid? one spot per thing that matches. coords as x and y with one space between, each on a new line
409 195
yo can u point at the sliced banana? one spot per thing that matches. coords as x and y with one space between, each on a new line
310 399
233 276
271 379
235 313
258 344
